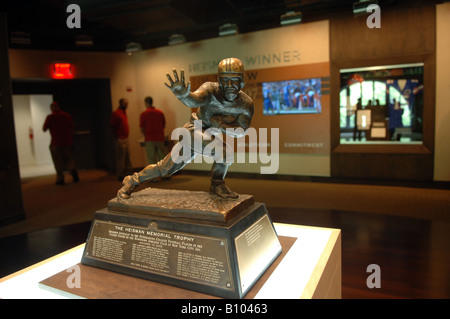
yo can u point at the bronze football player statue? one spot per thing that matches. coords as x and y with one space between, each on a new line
221 105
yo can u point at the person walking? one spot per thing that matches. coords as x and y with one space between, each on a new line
61 127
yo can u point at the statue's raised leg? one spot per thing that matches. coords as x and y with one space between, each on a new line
164 168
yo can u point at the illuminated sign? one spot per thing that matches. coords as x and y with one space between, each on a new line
62 71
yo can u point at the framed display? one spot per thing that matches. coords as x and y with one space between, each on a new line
391 94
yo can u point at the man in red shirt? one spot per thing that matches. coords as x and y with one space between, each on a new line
61 129
152 124
121 130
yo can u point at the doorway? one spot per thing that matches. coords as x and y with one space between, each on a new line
30 112
88 101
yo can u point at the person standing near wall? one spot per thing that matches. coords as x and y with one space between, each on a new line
121 130
152 124
61 129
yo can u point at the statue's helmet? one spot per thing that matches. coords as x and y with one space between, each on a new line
231 67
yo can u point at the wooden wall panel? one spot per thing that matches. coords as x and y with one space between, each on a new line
407 35
404 31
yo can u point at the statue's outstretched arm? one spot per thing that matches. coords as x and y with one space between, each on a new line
183 92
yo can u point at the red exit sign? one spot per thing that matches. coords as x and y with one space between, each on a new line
62 71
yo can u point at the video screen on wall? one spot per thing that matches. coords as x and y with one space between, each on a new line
292 97
382 103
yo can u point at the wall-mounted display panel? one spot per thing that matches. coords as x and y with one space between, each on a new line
292 97
294 101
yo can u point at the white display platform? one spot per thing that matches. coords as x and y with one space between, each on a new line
310 269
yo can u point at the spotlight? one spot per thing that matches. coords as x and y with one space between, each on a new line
133 47
228 29
360 7
291 17
176 39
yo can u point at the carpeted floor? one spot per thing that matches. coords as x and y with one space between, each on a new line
47 205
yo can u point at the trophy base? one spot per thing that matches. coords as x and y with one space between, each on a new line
221 253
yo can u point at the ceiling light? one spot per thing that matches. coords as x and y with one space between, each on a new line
360 7
228 29
133 47
291 17
176 39
20 38
84 40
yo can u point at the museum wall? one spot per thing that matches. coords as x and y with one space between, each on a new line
410 34
442 153
407 35
144 73
117 67
286 53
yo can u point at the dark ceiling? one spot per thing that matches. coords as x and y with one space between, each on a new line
111 24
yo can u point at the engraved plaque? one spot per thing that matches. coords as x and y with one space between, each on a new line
190 257
224 258
256 248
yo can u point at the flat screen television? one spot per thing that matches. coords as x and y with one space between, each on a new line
292 97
